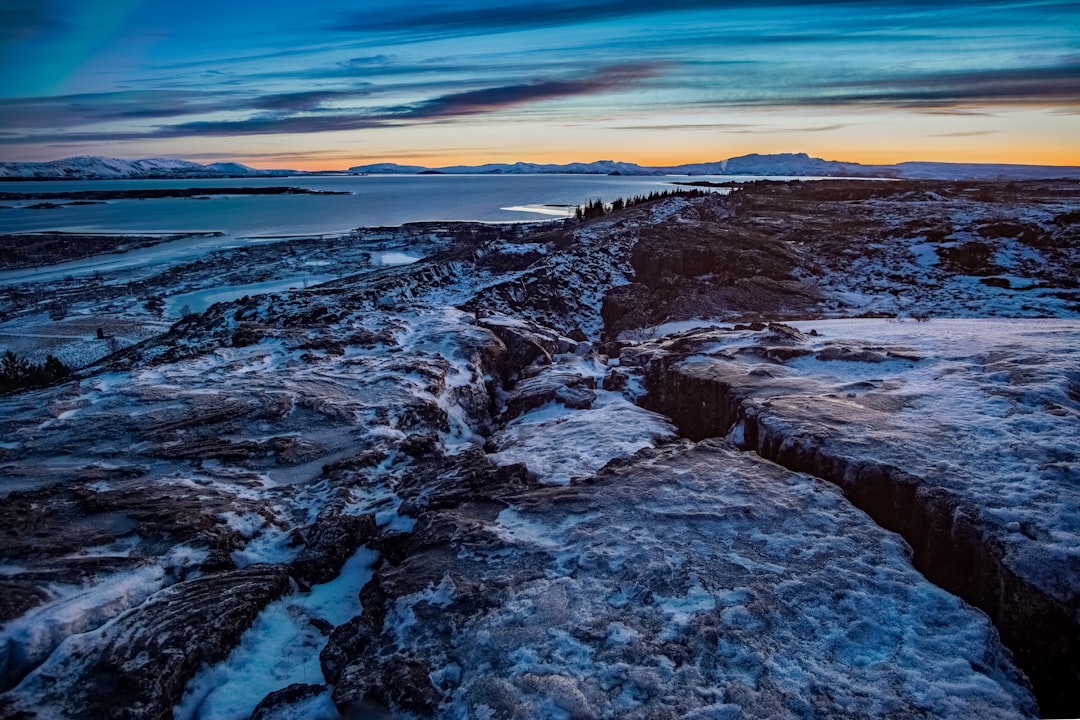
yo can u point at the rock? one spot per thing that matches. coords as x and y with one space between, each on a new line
683 575
398 682
418 445
565 387
248 334
137 667
526 343
935 469
451 481
361 461
842 352
616 380
329 542
282 704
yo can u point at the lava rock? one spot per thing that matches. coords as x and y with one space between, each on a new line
329 542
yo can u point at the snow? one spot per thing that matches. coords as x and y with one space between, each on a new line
632 599
99 168
199 300
281 648
564 212
559 444
980 407
29 639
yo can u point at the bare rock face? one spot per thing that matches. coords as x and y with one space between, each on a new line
443 482
688 581
526 343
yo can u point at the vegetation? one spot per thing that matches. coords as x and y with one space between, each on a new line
17 373
597 208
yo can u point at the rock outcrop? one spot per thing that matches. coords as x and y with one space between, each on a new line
680 583
906 432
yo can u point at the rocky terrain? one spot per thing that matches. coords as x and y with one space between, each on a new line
637 466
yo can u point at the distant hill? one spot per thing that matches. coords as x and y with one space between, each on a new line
103 168
779 164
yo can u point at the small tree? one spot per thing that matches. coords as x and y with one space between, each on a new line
16 372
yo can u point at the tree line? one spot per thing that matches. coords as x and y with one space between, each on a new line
597 208
18 372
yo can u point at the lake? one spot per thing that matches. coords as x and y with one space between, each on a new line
374 200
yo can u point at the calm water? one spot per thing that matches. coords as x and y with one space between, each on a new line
375 200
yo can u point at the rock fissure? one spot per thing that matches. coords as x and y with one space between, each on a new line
951 546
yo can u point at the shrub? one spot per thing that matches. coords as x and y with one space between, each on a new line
17 372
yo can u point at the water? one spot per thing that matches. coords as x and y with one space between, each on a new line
374 200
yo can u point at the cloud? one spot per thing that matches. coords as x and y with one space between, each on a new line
969 133
497 98
684 126
494 17
1056 84
301 101
21 19
70 111
302 112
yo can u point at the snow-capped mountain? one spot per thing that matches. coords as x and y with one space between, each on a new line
103 168
771 165
777 164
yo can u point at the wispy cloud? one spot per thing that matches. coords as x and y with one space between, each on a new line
69 111
497 98
969 133
20 19
495 17
302 112
1054 84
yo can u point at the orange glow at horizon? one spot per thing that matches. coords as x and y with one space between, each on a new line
991 153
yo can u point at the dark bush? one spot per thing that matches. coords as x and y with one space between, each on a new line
17 373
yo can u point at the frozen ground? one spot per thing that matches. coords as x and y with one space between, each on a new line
959 434
982 408
693 582
441 489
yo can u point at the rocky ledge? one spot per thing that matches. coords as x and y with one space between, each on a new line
457 489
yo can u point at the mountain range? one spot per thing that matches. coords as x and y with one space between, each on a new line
778 164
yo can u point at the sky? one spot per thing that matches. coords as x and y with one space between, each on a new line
326 84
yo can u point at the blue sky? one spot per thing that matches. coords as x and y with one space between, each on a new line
333 83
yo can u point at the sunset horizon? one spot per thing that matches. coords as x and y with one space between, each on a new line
435 162
316 86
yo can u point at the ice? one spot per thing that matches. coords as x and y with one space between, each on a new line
559 443
565 211
30 639
281 648
198 301
981 407
394 258
704 579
